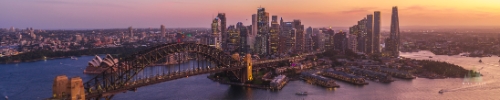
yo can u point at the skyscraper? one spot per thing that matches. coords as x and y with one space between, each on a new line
394 38
262 39
288 33
329 33
244 46
274 35
163 32
234 38
223 30
253 32
131 31
370 35
361 34
376 32
340 41
308 40
300 36
215 38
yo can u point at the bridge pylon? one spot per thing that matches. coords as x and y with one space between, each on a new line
65 89
248 64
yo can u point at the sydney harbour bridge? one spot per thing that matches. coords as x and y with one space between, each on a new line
124 75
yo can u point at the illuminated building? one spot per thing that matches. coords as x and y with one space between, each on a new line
274 35
360 31
262 38
300 36
288 32
244 46
329 41
234 38
215 38
223 31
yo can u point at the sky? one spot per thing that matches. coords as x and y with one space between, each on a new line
102 14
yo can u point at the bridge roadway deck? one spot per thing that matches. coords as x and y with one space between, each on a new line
159 79
168 77
287 58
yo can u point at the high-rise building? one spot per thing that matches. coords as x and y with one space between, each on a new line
253 32
215 38
262 39
376 32
319 40
163 31
300 36
309 30
308 43
223 30
360 30
288 34
234 38
340 41
369 31
131 31
352 42
274 35
393 42
244 46
330 37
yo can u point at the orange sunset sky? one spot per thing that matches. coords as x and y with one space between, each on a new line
85 14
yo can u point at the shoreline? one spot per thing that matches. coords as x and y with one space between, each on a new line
40 59
241 84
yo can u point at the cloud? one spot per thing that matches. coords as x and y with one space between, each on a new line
55 2
358 10
415 7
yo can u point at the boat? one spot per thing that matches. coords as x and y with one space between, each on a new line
301 93
480 61
74 58
6 98
441 91
430 56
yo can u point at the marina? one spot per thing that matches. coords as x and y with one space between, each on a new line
353 79
319 80
372 75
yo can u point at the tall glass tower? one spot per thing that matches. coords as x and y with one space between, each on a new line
394 35
376 32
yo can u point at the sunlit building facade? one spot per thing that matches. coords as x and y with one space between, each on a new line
393 42
215 38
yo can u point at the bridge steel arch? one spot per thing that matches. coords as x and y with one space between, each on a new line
117 76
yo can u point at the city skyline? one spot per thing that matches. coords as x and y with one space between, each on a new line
57 14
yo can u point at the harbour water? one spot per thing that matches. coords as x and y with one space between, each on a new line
33 80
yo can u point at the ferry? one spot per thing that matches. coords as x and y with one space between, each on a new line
301 93
74 58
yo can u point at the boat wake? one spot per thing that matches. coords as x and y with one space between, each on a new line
472 86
